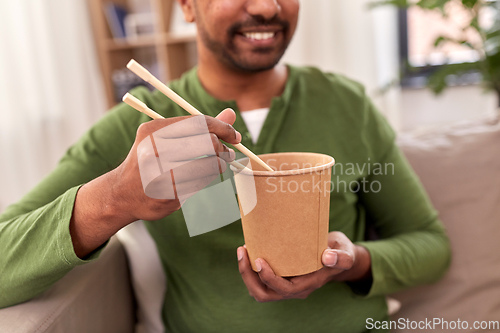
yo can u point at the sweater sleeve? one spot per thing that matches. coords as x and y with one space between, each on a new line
412 248
35 243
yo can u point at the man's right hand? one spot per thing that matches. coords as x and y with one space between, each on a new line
165 165
112 201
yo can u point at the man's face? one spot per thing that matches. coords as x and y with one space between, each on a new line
247 35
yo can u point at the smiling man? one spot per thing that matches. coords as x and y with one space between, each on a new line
96 190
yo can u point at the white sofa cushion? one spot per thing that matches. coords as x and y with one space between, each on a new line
148 278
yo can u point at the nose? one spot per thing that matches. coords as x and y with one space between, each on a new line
265 8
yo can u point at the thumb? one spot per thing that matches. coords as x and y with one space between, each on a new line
329 258
337 259
227 116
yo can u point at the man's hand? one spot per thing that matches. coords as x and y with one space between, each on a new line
343 261
117 198
179 144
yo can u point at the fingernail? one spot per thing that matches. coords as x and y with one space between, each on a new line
245 246
238 136
330 258
258 265
232 154
240 253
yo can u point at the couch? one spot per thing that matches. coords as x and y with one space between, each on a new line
459 167
96 297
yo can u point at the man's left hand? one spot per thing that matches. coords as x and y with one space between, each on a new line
342 260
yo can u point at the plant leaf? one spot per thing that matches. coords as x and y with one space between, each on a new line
474 23
440 40
433 4
397 3
438 81
469 3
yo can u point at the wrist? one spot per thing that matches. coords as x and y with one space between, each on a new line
116 207
362 265
97 215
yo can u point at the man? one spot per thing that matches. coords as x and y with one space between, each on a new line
61 223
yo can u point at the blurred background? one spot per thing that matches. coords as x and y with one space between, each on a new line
62 65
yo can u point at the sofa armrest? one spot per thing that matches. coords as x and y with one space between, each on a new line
95 297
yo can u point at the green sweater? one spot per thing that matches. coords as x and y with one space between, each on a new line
318 112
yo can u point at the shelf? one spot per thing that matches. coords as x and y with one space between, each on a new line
125 44
180 38
171 51
116 45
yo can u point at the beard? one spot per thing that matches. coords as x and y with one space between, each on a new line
255 60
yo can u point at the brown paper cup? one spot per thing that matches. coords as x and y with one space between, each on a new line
285 213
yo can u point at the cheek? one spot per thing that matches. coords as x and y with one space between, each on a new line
290 12
219 11
215 19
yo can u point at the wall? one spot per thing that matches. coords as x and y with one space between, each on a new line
348 38
421 108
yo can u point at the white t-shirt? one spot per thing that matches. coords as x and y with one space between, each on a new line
254 119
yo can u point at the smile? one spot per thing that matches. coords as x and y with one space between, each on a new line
259 35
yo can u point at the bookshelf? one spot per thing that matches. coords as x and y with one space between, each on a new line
171 52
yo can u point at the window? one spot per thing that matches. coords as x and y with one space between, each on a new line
419 29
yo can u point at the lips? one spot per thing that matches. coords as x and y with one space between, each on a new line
260 39
259 35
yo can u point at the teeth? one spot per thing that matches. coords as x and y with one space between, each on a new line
259 35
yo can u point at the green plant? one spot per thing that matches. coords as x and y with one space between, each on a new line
488 48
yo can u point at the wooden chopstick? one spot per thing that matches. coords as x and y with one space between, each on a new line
144 74
142 107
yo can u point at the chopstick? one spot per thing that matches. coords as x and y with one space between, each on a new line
142 107
144 74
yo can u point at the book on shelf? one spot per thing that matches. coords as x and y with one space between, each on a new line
139 25
115 15
124 80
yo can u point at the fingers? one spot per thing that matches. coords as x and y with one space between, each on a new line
227 116
187 189
345 260
191 147
299 287
187 179
200 168
329 258
280 285
179 127
156 125
338 259
256 288
222 150
340 254
223 130
186 138
296 287
338 240
266 286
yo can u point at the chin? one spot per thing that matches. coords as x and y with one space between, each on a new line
256 63
254 68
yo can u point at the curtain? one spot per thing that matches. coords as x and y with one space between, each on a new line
50 88
347 37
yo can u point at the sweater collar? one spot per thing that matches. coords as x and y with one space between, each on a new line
191 88
215 105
